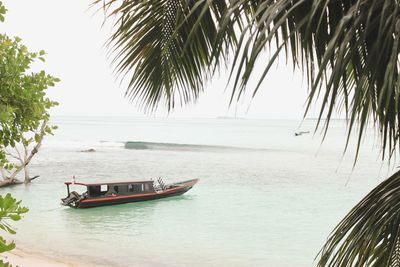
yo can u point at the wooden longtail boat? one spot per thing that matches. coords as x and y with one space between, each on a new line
101 194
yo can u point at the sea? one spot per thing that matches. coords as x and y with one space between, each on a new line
265 197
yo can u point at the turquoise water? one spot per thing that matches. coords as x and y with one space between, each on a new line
265 197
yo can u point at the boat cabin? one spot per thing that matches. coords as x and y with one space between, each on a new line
95 190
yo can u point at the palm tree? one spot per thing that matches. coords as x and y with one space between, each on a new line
347 49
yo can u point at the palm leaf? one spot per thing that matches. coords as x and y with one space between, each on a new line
370 234
170 48
341 46
151 47
348 50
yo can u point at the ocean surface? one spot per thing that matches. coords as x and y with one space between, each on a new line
265 197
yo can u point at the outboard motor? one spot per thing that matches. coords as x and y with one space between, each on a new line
71 199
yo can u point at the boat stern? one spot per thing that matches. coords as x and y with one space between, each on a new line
71 200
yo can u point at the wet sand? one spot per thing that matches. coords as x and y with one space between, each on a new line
23 258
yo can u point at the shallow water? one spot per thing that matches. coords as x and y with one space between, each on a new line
265 197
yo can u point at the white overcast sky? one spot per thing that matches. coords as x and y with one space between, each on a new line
72 35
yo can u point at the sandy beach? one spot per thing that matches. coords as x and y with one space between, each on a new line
23 258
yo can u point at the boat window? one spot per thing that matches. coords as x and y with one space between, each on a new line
135 187
116 189
148 187
97 190
123 189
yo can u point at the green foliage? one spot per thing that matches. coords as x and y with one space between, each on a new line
3 11
23 102
10 210
23 109
5 264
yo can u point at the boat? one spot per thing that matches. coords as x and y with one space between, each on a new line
111 193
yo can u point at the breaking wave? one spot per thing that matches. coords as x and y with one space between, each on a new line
140 145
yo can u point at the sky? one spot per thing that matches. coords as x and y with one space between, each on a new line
73 35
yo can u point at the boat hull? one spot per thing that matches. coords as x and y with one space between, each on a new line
178 189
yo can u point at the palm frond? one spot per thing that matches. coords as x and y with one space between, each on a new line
370 234
348 49
152 49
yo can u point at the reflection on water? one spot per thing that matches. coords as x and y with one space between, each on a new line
100 219
263 207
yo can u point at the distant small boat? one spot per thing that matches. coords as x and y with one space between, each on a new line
101 194
301 133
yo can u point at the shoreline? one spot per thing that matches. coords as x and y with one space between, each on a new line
23 258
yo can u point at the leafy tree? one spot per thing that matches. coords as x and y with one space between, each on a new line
23 117
30 146
348 50
24 107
